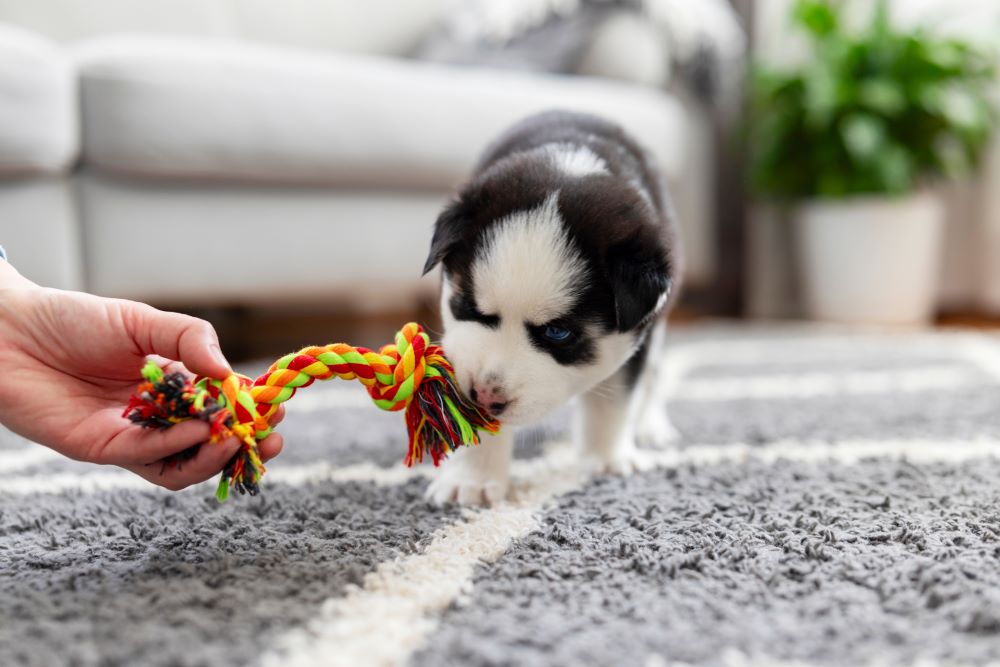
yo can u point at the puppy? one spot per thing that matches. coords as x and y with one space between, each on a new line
559 259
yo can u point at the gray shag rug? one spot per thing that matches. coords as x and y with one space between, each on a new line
832 500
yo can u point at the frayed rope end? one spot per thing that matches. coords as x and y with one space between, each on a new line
165 399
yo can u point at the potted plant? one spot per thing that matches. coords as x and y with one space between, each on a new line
853 141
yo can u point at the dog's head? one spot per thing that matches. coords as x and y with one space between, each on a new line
548 283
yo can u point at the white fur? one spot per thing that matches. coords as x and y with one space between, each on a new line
606 426
617 417
576 160
476 475
653 428
527 267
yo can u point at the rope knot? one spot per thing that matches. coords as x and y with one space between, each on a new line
408 359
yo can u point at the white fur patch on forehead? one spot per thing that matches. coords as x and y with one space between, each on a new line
527 270
575 160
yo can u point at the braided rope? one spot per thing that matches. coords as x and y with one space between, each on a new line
410 374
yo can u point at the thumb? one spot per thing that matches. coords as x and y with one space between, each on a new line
187 339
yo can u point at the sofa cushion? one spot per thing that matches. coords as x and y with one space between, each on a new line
201 109
38 111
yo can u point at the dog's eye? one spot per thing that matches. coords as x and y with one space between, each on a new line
565 340
557 334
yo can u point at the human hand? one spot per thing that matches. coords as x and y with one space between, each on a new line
70 361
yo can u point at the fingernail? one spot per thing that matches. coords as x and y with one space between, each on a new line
216 353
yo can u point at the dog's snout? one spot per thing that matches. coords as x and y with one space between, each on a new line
490 396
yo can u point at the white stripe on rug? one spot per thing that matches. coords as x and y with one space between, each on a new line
982 352
832 349
402 599
89 482
811 385
845 452
19 459
734 658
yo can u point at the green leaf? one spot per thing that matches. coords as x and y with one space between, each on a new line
895 169
833 185
864 136
960 108
883 95
817 16
821 95
948 56
880 20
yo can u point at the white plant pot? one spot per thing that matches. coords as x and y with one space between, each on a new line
871 260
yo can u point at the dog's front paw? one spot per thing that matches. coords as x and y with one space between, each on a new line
467 486
623 460
655 430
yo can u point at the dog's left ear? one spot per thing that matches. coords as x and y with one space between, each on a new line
640 281
447 231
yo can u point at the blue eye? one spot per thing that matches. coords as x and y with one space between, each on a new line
557 334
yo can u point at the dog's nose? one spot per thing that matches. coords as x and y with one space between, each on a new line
490 397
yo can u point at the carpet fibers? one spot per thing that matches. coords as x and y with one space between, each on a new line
832 500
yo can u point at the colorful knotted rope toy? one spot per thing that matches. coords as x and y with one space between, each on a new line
411 374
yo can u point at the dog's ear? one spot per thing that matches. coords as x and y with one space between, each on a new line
640 281
447 232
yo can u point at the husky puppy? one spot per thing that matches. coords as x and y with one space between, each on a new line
559 259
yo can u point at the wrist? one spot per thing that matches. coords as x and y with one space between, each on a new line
9 277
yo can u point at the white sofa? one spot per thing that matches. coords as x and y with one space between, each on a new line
39 144
210 153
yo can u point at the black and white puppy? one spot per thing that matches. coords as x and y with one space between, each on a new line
560 257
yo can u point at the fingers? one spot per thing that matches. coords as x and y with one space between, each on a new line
176 336
135 445
142 451
206 464
169 365
270 447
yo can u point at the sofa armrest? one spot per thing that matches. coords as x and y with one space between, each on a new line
38 107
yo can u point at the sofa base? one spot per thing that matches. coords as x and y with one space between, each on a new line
192 244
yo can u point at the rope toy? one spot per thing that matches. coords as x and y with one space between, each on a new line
411 375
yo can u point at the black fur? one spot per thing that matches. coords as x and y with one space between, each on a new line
464 307
635 363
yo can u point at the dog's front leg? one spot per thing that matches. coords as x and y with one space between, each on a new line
476 475
606 425
654 429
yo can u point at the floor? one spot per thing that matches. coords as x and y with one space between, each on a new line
832 501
